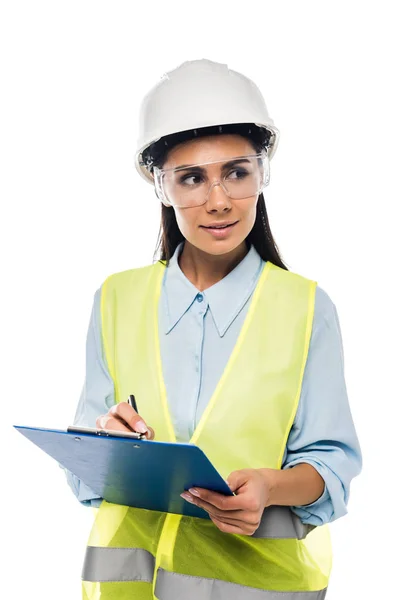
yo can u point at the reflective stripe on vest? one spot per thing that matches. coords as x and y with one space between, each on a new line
118 564
121 564
174 586
279 522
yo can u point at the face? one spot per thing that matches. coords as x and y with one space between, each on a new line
194 222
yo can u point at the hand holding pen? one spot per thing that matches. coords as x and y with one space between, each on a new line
124 417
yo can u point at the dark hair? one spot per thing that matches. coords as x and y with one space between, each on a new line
170 235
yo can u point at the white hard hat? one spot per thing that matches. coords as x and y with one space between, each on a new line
200 93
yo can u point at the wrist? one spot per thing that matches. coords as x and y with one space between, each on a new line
296 486
271 484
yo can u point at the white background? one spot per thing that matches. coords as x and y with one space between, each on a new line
74 210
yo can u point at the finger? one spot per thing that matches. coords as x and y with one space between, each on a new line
102 419
228 528
150 434
125 412
219 500
111 423
233 527
234 516
243 523
237 478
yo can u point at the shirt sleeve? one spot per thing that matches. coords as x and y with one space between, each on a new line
96 398
323 433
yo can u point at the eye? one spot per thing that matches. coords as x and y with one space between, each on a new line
190 179
237 174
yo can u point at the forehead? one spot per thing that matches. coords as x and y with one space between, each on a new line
206 149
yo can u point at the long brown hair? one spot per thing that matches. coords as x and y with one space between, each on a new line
170 236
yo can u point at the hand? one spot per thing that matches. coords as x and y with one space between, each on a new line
122 417
242 513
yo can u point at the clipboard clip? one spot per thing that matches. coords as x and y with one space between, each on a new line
107 432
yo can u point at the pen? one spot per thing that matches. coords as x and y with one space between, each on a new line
132 402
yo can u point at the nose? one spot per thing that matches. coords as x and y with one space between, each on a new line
217 199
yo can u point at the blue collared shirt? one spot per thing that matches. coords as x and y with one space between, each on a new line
198 331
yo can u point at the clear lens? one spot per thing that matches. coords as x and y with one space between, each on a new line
240 177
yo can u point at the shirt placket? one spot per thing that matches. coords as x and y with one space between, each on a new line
200 307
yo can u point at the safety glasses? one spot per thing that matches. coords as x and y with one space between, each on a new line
190 185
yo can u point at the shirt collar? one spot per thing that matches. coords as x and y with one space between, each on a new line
225 298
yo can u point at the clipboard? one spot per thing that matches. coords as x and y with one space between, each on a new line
132 471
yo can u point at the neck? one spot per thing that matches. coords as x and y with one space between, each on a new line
204 270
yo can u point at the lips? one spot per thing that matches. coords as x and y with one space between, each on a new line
222 225
219 231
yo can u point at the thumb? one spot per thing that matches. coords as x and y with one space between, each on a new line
236 479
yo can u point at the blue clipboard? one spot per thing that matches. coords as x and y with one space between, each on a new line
134 472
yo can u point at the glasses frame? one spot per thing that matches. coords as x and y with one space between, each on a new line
159 175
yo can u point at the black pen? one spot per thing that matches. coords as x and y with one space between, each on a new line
132 402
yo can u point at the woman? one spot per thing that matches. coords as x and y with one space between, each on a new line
226 348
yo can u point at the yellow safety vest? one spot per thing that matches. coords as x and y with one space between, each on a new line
141 554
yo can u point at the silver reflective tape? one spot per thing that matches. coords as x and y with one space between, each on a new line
174 586
279 522
118 564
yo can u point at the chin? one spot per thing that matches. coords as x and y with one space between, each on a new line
219 247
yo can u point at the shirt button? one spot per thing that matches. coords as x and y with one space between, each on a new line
199 297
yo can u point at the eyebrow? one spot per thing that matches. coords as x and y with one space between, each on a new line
228 164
